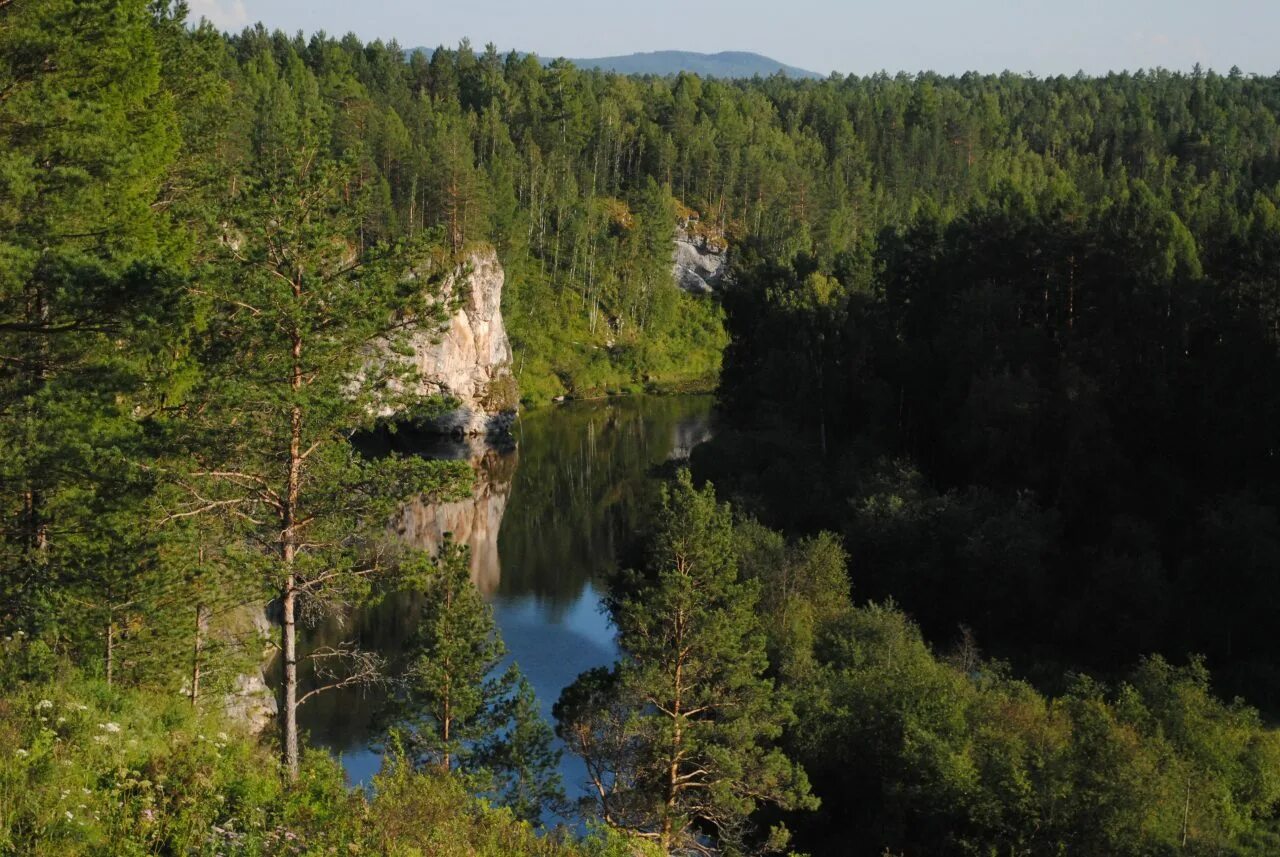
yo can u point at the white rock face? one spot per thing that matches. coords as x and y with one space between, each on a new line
470 359
698 267
251 700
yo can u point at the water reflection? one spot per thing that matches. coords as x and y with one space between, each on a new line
585 476
474 521
546 520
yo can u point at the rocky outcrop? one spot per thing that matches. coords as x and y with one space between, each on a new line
251 702
250 699
470 359
473 521
699 262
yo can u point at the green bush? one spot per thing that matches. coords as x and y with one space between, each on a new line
92 770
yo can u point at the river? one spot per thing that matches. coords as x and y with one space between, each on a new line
546 522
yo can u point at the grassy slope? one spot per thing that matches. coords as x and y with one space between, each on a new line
86 769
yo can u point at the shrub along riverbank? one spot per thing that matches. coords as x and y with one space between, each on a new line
88 769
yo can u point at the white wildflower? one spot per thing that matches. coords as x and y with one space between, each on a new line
70 815
100 739
21 753
109 727
44 703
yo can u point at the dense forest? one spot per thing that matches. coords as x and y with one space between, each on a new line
987 539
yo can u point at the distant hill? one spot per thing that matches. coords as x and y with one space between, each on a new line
726 64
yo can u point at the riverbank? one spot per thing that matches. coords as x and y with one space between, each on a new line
701 385
558 351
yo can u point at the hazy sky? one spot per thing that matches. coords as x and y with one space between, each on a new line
862 36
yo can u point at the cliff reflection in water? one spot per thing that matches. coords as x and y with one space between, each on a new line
547 518
474 521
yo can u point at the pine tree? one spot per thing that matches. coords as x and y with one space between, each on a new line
521 757
459 199
678 737
87 304
207 638
449 690
298 313
457 710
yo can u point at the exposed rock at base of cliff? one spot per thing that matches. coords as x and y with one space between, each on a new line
250 700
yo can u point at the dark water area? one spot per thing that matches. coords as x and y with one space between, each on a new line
548 518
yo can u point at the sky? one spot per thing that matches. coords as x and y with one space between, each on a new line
848 36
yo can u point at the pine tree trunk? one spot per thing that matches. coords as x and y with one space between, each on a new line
289 628
197 652
446 721
289 708
37 532
667 840
446 759
111 648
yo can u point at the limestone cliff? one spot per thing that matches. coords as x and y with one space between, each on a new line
470 359
699 261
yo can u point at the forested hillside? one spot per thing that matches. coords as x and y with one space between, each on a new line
1044 409
999 380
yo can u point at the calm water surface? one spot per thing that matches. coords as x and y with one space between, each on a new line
546 521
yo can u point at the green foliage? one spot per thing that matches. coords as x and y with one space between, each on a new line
449 692
521 757
89 770
950 755
87 135
804 588
679 736
1027 415
456 709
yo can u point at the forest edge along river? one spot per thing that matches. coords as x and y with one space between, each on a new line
548 515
